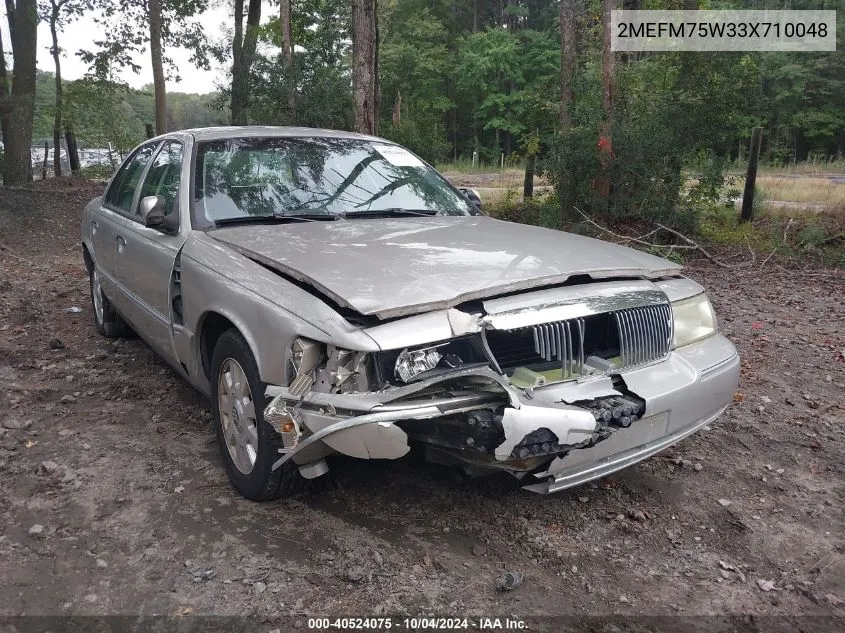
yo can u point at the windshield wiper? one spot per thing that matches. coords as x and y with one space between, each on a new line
393 211
277 218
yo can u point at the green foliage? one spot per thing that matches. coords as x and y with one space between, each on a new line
97 172
541 210
511 79
465 76
126 26
323 95
413 58
100 112
422 137
671 110
812 236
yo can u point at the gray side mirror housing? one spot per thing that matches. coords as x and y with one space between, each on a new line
474 198
152 211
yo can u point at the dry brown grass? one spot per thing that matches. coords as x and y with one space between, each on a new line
814 194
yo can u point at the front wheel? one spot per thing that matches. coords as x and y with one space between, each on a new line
249 445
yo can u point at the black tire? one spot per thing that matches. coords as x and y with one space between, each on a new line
109 323
262 483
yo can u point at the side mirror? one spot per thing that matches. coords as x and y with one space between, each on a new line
152 211
473 197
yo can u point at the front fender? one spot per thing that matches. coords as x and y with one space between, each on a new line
269 311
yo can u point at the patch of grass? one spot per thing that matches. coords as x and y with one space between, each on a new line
821 195
818 239
464 166
812 167
97 172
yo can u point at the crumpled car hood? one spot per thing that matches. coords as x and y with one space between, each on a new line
398 266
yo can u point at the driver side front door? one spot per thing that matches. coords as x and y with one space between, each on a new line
147 255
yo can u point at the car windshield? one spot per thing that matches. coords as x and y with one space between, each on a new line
294 176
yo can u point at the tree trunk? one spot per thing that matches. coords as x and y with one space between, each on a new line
364 65
72 152
567 73
528 182
243 54
397 110
605 144
46 157
57 121
23 26
567 62
287 57
376 84
158 66
4 93
237 54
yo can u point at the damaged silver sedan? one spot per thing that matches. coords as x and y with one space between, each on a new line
332 293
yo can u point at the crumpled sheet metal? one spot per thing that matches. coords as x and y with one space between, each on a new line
371 400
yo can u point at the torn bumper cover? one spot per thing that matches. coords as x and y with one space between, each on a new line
553 437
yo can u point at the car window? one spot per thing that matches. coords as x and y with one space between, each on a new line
122 191
265 176
164 175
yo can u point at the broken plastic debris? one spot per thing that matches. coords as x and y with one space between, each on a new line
509 580
74 309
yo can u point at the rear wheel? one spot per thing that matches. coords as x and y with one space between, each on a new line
249 445
107 321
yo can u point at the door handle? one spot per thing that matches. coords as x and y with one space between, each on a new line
121 244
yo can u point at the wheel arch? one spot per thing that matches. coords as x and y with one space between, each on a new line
87 258
212 325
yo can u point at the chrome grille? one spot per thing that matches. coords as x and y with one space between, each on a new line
631 336
645 334
562 341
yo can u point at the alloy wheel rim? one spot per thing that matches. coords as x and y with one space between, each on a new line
97 296
237 415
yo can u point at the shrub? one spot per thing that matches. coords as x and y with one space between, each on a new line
421 137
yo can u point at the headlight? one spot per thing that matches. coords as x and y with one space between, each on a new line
412 363
415 363
694 320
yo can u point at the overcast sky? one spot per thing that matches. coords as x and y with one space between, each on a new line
81 33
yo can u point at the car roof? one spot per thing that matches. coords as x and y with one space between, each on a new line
253 131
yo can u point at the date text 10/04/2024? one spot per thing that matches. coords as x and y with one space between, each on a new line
415 624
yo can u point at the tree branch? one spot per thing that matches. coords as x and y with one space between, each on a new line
690 244
695 245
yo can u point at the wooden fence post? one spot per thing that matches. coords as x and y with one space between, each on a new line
150 131
44 166
747 213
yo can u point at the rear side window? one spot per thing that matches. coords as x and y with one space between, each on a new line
164 175
122 190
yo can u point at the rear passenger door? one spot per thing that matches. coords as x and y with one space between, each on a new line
118 199
145 260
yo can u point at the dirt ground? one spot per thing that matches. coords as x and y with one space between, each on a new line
113 499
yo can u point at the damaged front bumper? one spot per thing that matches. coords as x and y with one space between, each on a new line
480 420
